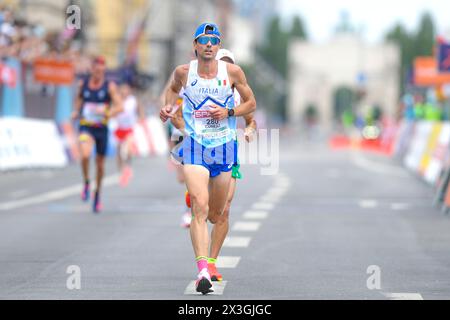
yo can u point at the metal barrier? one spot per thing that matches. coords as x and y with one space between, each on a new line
424 148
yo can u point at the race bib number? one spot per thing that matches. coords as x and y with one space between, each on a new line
209 128
94 112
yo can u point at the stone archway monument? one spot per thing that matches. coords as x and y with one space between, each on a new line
317 71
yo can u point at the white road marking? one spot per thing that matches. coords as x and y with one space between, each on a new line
19 193
399 206
282 184
270 199
54 195
218 288
256 215
263 206
237 242
279 192
403 296
246 226
368 204
227 262
272 196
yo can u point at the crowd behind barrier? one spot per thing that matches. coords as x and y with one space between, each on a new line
39 72
26 41
24 47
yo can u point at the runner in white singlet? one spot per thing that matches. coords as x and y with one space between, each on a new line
126 120
210 150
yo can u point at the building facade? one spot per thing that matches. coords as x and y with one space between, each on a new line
320 73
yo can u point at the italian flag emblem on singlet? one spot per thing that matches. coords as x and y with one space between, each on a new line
222 83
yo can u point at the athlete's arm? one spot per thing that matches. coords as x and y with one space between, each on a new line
172 91
250 120
116 98
248 101
78 102
177 120
250 126
239 81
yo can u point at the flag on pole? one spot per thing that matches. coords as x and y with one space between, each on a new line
134 35
443 55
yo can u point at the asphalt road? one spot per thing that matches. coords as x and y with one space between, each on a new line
327 225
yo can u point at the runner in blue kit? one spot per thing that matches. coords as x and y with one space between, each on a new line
210 150
96 102
221 226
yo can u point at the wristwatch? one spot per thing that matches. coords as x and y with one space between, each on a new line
231 113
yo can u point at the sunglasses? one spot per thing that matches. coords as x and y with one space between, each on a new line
204 40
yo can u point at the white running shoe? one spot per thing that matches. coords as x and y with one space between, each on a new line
203 283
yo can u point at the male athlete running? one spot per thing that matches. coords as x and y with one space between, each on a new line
221 227
210 151
97 101
126 120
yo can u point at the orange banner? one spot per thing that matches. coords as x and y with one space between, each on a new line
53 72
426 72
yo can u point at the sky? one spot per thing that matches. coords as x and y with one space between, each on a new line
376 16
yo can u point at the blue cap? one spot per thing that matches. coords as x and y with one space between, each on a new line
202 30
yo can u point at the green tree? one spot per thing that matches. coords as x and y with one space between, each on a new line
298 29
275 52
274 49
413 44
405 41
276 44
425 37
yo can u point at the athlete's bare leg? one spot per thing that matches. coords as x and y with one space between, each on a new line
197 179
119 156
86 144
129 153
221 223
180 173
219 193
100 162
